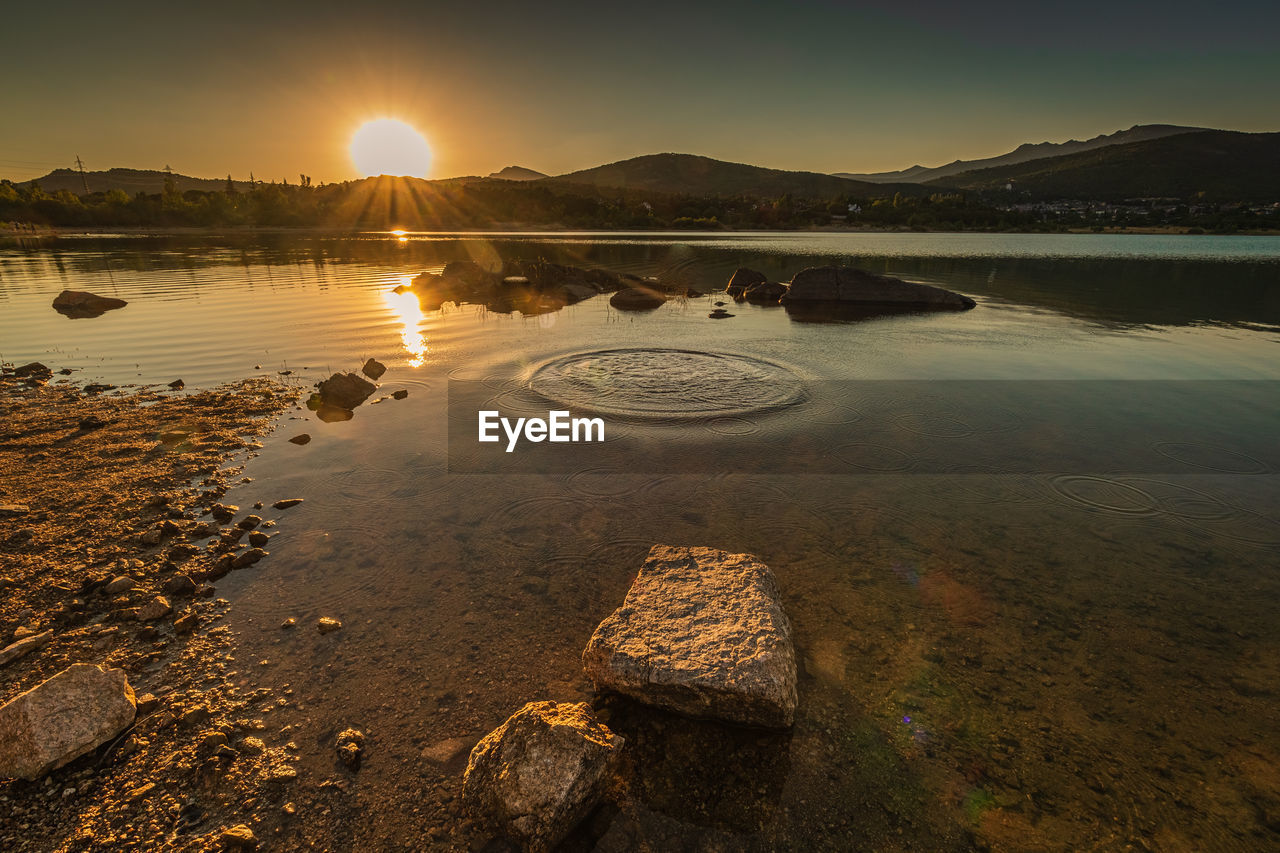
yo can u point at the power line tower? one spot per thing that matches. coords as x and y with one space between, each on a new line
83 179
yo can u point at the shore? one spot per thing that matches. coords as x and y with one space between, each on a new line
50 233
106 491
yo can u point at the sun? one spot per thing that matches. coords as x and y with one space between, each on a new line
388 146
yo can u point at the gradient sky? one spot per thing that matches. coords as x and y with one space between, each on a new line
278 89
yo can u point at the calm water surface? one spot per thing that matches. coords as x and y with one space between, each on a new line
1009 646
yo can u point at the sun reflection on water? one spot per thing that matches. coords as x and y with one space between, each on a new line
407 309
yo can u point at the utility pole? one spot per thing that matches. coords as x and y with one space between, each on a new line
84 180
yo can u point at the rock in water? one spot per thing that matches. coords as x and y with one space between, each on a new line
61 719
373 369
637 298
701 632
741 280
539 773
79 304
765 293
346 390
851 286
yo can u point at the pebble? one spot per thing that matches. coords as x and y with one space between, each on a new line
289 623
156 608
223 512
327 625
249 522
400 395
258 539
248 558
239 837
124 583
300 439
286 503
179 585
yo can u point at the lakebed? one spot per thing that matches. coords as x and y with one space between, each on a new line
1023 649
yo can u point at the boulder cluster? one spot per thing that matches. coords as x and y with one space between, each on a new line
532 287
701 632
828 289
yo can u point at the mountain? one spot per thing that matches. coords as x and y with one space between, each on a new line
693 175
518 173
130 180
1216 165
1025 153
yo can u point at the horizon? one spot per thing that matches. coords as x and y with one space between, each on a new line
875 88
493 172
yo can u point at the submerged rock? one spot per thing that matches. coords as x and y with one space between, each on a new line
539 773
33 369
637 297
285 503
61 719
701 632
301 438
765 293
345 390
79 304
742 279
849 286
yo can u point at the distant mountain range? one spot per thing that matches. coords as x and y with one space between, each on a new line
693 175
1022 154
132 181
1216 165
518 173
1146 161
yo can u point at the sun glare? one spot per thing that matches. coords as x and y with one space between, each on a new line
387 146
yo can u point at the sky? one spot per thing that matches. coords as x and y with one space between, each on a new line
278 89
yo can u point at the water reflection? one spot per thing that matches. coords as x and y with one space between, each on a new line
408 311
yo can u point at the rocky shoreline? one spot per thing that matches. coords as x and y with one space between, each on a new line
108 557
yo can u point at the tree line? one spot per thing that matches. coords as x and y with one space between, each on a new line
387 203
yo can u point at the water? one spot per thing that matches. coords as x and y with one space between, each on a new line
1034 603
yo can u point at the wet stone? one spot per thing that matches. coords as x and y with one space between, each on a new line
541 772
701 632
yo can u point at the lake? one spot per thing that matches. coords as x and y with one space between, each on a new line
1029 551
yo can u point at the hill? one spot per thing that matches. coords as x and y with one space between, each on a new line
1215 165
518 173
1025 153
132 181
689 174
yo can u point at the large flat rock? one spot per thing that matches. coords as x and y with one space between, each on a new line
541 772
850 286
61 719
701 632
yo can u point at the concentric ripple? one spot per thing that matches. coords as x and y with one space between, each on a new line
656 383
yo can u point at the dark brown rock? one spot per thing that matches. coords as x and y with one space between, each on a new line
846 285
637 297
79 304
345 390
742 279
